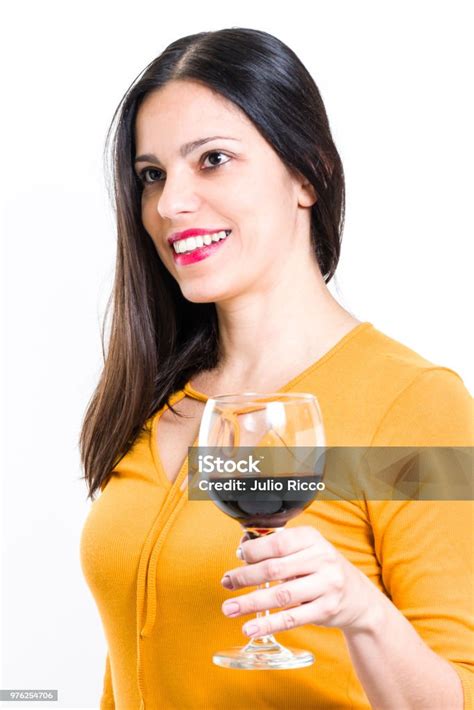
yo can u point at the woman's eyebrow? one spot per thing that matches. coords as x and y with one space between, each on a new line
185 149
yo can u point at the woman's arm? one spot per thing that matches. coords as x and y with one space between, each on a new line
397 669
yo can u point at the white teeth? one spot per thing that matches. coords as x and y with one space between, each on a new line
192 243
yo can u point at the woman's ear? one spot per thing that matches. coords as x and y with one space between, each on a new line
307 196
305 191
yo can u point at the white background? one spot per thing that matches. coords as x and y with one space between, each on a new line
396 81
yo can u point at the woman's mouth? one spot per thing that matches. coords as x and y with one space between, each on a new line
192 249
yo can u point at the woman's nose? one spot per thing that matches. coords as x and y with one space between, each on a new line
178 195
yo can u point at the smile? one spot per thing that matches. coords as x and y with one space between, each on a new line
190 244
193 249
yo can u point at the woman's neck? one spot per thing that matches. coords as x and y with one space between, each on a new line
273 335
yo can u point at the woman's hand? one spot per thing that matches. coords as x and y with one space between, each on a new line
319 586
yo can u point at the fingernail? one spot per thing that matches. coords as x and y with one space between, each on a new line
227 582
231 608
238 553
250 629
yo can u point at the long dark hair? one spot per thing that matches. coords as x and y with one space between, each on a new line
159 340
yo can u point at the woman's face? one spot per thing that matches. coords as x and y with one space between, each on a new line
234 182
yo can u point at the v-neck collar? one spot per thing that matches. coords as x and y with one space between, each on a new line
190 391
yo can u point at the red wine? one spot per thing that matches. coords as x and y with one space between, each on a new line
263 501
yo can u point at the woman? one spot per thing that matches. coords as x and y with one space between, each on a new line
230 195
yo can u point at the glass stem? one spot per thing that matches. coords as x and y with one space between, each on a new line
268 640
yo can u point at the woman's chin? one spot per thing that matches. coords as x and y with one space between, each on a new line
216 285
199 295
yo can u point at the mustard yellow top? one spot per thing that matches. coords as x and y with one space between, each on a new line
153 559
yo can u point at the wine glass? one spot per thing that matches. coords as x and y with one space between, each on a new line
263 442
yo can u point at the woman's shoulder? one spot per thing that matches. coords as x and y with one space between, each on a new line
424 397
390 364
376 346
382 391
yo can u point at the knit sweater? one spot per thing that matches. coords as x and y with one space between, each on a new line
153 559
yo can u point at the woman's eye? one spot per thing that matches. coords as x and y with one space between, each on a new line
148 176
145 172
213 154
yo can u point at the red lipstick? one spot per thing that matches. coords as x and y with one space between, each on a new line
199 253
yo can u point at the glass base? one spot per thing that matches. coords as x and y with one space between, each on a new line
263 654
